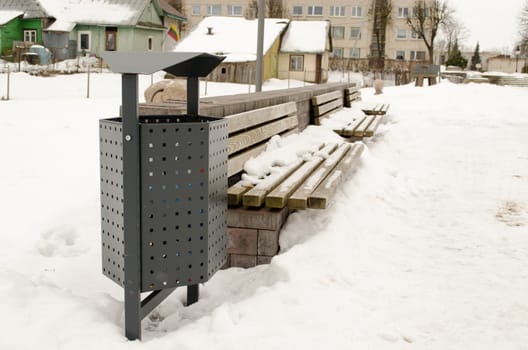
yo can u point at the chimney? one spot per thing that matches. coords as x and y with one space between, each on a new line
209 31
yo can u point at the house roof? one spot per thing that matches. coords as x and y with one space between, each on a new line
94 12
306 36
233 37
7 16
170 11
30 8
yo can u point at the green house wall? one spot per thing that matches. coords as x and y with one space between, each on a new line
33 24
9 32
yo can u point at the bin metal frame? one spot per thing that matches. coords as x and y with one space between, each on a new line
192 65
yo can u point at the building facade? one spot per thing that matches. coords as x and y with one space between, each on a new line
352 26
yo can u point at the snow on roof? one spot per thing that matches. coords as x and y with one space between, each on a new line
306 36
112 12
6 16
235 38
30 8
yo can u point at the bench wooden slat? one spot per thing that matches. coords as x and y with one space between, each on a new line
320 198
254 136
257 195
360 130
235 192
236 162
241 121
379 109
348 130
279 196
299 199
326 108
373 126
329 96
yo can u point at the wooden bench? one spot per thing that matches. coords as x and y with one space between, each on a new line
352 95
360 127
379 109
300 185
325 104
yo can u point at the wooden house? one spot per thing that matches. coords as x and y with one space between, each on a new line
21 25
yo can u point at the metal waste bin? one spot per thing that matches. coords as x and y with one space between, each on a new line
163 189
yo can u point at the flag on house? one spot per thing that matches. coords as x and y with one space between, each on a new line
173 32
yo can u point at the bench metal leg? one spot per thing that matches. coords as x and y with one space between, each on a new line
193 293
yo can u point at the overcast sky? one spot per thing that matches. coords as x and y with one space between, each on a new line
494 23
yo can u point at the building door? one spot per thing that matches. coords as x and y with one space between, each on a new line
111 39
318 70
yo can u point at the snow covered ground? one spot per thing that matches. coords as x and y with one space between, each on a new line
425 247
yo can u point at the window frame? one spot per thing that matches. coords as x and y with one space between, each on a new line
196 7
32 33
342 28
341 11
294 67
402 56
352 30
338 49
311 11
211 8
354 49
231 13
398 31
403 12
297 7
79 40
356 11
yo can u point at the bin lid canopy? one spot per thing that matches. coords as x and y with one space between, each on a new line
182 64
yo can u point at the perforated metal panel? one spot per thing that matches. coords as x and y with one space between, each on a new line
111 155
183 200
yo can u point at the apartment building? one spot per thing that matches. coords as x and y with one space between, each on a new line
350 20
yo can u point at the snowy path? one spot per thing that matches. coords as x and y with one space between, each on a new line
426 246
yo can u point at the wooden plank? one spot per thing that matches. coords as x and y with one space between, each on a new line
320 197
327 108
350 128
235 192
329 96
241 121
373 126
299 199
235 164
279 196
257 195
243 140
360 130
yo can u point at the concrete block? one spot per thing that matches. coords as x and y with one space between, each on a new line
261 259
245 261
268 242
261 218
242 241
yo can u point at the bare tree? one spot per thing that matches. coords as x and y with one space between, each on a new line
426 20
524 28
380 15
274 9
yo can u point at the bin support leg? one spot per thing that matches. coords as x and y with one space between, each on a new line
193 292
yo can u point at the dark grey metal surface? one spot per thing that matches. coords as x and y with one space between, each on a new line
111 170
188 64
178 213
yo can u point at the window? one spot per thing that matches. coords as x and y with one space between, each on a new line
297 11
111 39
355 33
355 52
337 11
84 41
356 11
30 36
417 55
338 32
234 10
400 55
415 35
337 52
195 10
296 63
214 10
150 43
401 34
403 12
415 12
315 10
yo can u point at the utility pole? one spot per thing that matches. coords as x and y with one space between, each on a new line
260 45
